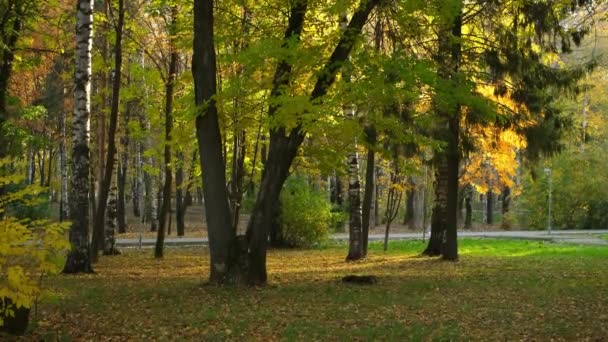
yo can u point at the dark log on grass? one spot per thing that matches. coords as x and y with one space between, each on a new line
360 280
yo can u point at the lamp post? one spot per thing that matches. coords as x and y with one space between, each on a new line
548 172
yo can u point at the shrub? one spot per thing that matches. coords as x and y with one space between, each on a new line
29 248
578 193
305 214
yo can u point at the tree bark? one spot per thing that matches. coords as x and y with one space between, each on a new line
439 214
78 257
169 86
408 218
121 175
490 207
450 251
98 228
370 185
506 200
222 237
109 247
180 203
283 146
8 56
468 208
137 181
444 224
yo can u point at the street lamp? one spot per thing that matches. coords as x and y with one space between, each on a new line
548 172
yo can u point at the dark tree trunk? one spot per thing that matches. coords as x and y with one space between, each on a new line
444 224
506 200
121 201
336 196
98 228
165 207
370 185
468 197
121 175
137 181
11 33
450 250
490 207
410 205
49 174
180 203
284 147
41 167
223 244
377 194
238 174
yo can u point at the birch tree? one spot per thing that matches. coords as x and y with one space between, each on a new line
78 257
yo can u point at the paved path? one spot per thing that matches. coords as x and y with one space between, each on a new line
582 237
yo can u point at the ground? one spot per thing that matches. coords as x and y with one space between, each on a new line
499 290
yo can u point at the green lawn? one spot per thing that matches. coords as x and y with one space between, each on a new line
500 290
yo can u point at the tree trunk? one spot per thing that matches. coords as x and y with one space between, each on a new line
223 244
8 56
506 200
98 228
439 214
169 86
238 174
78 257
180 203
123 167
490 207
109 247
137 181
63 168
444 222
283 147
409 204
31 169
49 174
355 229
370 184
41 167
121 185
468 208
355 233
450 250
376 204
336 190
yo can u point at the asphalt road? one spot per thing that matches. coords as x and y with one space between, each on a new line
583 237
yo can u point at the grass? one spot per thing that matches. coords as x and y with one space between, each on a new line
500 290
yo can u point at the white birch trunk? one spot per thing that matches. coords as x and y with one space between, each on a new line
78 258
109 246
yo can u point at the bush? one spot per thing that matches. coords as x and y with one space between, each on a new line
305 214
29 248
579 200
